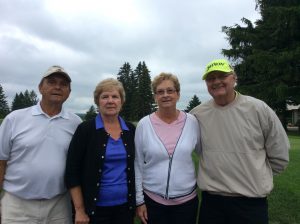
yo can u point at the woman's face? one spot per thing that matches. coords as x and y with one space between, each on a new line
166 96
110 103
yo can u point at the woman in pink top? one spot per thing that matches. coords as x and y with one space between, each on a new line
165 172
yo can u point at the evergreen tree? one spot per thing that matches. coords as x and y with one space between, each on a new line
23 100
17 102
137 84
91 113
4 109
133 100
193 103
267 55
33 98
124 76
145 97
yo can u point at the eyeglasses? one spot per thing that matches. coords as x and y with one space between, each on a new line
211 78
161 92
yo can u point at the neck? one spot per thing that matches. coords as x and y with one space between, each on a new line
112 126
109 119
166 115
51 109
225 100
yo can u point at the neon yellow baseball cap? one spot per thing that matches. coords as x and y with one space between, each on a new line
221 65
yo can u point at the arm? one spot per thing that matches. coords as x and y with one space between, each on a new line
5 147
77 198
276 143
2 171
73 173
197 128
141 210
138 165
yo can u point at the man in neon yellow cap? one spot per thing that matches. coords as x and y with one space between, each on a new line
243 146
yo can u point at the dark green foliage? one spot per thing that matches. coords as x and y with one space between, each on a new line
145 97
126 77
91 113
4 109
193 103
137 85
23 100
267 55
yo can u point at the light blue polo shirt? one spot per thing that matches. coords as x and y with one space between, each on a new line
35 147
113 189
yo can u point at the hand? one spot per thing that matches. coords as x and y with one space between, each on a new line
81 217
141 212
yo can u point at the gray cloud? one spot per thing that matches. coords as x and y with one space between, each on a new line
92 40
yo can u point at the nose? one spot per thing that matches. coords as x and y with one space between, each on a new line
109 99
57 85
165 93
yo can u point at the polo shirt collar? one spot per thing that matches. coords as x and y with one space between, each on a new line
99 123
37 110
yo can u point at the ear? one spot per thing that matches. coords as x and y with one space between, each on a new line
40 87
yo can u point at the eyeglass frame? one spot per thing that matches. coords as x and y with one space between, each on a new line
162 92
221 76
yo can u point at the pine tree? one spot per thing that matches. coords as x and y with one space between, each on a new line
144 101
267 55
4 109
137 84
17 102
193 103
134 97
33 98
91 113
124 76
23 100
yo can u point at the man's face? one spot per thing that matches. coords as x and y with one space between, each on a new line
55 89
220 84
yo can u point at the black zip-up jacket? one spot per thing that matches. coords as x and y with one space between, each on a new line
85 161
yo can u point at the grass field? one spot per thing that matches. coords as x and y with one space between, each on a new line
284 201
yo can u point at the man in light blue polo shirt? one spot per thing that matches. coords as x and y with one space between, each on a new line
33 147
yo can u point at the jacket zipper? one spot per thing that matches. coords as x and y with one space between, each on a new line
168 180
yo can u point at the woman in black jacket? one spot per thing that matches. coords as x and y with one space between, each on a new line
100 162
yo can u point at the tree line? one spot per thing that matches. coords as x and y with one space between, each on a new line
21 100
137 85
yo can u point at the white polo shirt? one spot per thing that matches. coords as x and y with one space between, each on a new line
35 147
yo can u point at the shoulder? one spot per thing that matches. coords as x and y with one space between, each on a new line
203 106
130 125
143 121
74 117
252 101
191 117
20 113
89 124
191 121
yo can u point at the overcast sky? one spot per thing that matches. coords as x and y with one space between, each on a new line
92 39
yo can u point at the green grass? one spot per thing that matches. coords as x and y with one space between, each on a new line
284 200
